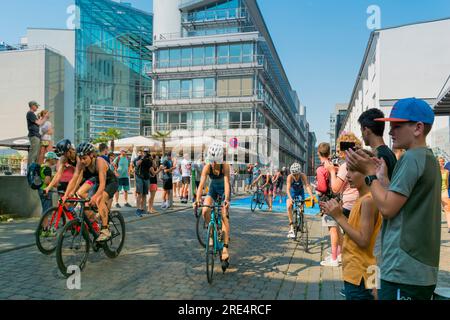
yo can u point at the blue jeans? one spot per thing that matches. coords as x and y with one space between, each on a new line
46 201
360 292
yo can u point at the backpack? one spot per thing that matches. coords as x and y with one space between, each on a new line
34 176
328 194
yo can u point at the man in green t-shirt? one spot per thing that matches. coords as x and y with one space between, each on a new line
410 205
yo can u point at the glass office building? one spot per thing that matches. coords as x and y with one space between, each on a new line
112 60
215 67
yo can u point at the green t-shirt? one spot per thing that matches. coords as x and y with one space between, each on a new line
411 240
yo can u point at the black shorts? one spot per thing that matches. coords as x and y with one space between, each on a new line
168 184
186 180
111 188
346 212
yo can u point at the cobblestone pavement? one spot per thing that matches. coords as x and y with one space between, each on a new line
162 259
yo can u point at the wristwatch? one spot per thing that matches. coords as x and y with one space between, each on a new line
370 179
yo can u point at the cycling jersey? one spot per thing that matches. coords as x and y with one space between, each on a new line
217 183
111 184
297 188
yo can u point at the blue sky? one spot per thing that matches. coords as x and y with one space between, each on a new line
321 42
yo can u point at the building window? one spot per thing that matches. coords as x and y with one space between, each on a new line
199 56
175 56
174 89
235 53
198 88
222 54
186 89
163 59
186 57
210 55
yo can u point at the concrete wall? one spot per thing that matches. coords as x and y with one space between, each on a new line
22 79
63 41
16 197
166 17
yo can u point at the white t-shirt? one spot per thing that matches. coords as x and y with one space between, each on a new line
185 168
46 126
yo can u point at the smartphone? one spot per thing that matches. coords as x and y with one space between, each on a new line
344 146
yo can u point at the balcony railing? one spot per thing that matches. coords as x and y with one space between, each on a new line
209 16
181 64
209 94
203 33
202 125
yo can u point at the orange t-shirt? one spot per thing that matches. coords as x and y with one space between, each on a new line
356 260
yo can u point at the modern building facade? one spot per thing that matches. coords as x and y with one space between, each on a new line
402 62
111 58
312 151
35 73
215 68
105 61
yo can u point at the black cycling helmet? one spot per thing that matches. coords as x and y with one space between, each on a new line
63 146
85 148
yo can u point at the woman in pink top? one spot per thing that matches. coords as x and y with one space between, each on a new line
339 184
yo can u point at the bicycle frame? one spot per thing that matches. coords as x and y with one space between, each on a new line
57 214
215 223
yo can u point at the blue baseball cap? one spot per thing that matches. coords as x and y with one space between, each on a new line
410 109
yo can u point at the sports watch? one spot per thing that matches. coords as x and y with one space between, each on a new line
370 179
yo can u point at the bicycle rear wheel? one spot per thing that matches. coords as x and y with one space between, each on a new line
210 253
47 231
72 248
114 245
201 228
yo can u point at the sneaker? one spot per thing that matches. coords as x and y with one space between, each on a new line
330 263
105 234
139 212
127 205
118 206
291 234
164 206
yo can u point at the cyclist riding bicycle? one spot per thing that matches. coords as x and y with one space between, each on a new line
94 170
219 186
267 186
296 183
65 150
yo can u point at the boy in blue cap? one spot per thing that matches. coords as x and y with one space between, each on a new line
410 205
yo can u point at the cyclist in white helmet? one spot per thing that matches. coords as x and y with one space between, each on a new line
219 186
296 183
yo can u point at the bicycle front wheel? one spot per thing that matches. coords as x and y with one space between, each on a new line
260 200
254 202
47 231
72 248
297 222
210 253
201 228
114 245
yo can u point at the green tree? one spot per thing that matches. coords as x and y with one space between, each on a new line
109 135
162 135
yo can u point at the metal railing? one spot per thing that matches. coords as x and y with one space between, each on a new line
201 125
214 15
209 94
203 33
208 61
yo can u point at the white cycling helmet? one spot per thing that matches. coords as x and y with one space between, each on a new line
296 168
215 152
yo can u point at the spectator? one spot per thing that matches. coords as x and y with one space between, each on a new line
168 168
142 165
248 180
340 185
372 132
185 167
46 132
361 231
197 172
33 124
232 179
445 198
104 151
46 173
155 169
122 164
411 205
323 187
176 177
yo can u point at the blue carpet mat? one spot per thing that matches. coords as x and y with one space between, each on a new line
244 203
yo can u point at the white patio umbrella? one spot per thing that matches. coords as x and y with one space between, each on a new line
138 141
